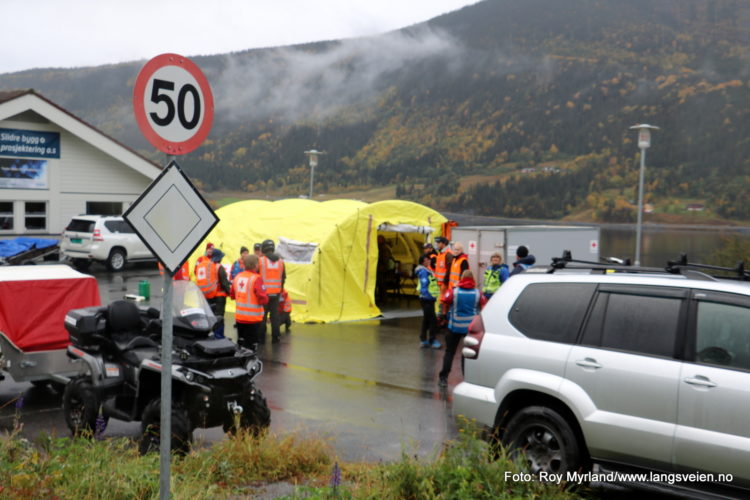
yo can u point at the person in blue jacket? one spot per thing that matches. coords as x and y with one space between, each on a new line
464 302
429 291
495 275
524 260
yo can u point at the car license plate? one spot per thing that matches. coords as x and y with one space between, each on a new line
76 240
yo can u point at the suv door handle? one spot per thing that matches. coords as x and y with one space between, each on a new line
699 380
588 363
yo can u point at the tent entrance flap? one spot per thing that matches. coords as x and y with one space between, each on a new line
405 228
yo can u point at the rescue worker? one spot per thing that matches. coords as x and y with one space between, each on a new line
465 302
441 266
257 251
459 264
211 278
495 275
204 257
183 273
429 291
273 273
524 260
239 264
429 251
250 296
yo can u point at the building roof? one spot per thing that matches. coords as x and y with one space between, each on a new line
14 102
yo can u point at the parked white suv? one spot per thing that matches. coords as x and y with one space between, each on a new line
621 370
107 239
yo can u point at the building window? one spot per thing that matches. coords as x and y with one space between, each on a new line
6 216
36 215
104 208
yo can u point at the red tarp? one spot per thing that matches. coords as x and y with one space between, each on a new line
32 312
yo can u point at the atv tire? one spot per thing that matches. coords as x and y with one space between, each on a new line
255 417
182 434
80 407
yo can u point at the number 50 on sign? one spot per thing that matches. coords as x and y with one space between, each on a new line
173 104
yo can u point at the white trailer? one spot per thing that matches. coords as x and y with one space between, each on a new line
544 242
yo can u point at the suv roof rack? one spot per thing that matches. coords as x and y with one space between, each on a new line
680 266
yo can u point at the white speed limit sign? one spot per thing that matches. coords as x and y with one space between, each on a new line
173 104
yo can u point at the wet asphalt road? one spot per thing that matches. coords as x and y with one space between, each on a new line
366 385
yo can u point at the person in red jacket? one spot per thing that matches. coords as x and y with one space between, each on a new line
250 296
465 301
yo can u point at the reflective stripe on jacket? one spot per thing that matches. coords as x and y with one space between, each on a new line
248 310
207 279
440 269
271 272
463 309
455 275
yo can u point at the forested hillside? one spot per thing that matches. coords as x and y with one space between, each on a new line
532 97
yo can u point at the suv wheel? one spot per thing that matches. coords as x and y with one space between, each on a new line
544 440
116 260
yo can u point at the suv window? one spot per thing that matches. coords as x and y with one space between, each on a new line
81 226
552 311
723 335
635 323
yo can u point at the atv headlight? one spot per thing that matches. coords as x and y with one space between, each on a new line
253 366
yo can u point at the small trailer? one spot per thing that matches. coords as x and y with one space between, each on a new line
24 251
34 301
544 242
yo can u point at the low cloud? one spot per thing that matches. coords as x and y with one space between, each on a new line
307 81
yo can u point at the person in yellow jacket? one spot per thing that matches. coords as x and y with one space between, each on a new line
250 296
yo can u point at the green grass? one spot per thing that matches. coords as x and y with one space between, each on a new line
242 467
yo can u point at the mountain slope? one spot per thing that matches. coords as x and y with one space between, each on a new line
497 89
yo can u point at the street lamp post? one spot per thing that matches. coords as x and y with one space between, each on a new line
313 156
644 142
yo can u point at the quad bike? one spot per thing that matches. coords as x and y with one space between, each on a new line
118 346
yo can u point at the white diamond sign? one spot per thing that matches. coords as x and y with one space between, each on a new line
171 217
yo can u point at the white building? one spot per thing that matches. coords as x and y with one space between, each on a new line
53 166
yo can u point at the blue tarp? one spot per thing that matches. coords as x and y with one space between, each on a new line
9 248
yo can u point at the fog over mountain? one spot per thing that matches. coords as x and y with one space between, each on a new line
491 94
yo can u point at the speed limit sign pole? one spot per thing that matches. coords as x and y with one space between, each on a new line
173 107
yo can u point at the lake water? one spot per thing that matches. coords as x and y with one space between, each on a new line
660 245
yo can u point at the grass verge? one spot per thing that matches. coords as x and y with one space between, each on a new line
247 466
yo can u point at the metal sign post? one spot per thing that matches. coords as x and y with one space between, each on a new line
173 107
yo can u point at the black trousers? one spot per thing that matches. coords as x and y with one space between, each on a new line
272 309
249 334
452 341
429 320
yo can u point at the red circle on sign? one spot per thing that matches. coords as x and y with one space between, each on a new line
192 139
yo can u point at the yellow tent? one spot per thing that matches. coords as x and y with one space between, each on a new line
330 248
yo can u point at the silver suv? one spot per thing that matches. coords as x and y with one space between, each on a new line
616 370
107 239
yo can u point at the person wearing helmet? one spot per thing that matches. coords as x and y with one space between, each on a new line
274 275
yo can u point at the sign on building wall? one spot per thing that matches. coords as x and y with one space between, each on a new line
29 143
17 173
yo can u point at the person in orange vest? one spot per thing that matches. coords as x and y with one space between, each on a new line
250 296
273 273
285 311
239 265
441 267
257 251
183 273
429 251
204 257
211 278
459 264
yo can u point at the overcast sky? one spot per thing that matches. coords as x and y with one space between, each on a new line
70 33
